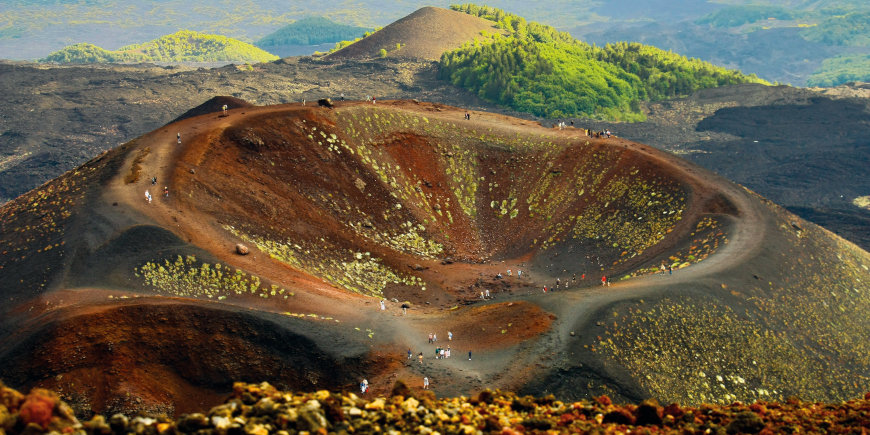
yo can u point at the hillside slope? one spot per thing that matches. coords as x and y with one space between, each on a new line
409 202
181 46
424 34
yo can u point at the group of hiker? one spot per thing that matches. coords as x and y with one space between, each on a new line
148 196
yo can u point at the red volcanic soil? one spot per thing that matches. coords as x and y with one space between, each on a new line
147 305
424 34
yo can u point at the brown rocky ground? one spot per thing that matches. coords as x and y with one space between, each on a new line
124 304
263 409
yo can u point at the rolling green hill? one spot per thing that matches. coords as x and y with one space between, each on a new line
310 31
539 70
842 69
181 46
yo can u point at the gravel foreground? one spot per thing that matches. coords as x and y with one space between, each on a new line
262 409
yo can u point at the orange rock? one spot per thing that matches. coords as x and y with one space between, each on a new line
38 407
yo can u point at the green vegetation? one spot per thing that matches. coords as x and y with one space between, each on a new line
734 16
708 235
310 31
182 46
842 69
358 272
189 278
849 29
539 70
751 341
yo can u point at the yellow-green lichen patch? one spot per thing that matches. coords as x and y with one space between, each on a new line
358 272
187 277
707 237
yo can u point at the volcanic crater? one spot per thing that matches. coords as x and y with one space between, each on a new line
493 228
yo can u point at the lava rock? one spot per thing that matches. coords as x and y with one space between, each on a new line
242 249
649 413
745 422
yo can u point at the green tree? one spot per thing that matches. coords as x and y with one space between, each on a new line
539 70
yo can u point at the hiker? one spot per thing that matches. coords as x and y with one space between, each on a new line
662 267
447 352
434 337
225 110
148 196
443 353
364 385
179 138
545 289
498 276
509 272
430 338
604 280
670 269
437 352
153 180
469 355
166 191
425 383
303 101
405 307
383 304
420 356
342 96
449 336
374 100
519 273
410 354
487 294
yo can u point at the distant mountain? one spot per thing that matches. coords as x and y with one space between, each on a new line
425 34
842 69
181 46
306 32
784 43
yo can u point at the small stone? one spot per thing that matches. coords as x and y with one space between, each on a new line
242 249
619 416
410 405
746 422
97 425
376 404
192 422
220 422
265 406
311 416
118 423
648 414
256 429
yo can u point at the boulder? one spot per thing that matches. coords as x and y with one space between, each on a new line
242 249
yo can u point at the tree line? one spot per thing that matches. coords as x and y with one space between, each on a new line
535 68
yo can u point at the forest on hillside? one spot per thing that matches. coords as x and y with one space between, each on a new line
539 70
310 31
182 46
